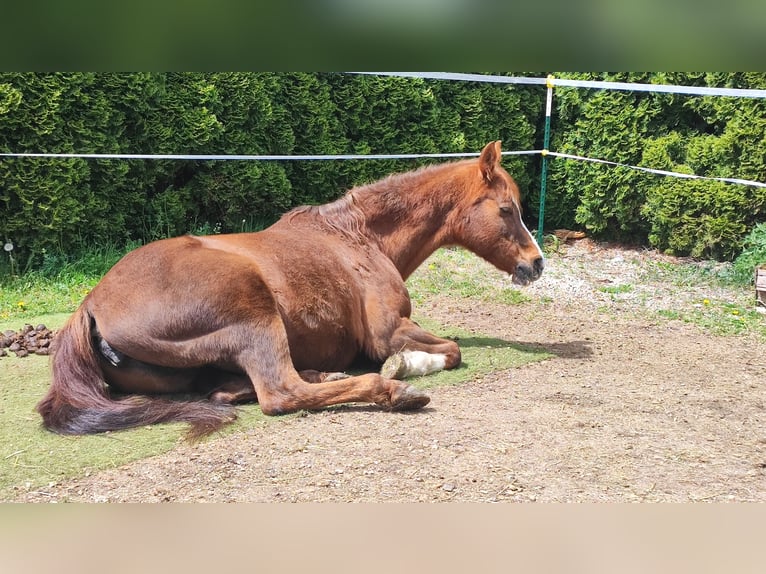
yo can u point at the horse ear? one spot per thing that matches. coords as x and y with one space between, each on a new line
489 159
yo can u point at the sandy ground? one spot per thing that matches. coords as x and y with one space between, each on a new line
632 406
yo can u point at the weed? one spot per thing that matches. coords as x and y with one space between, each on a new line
719 318
616 289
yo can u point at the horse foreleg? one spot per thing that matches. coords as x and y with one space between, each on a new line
293 394
281 389
416 352
233 388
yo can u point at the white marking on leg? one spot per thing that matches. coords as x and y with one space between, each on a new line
420 363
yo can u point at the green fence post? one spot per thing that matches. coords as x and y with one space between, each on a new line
544 154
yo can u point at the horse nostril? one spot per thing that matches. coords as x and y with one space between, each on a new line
538 265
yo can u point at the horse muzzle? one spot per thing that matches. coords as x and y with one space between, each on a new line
525 273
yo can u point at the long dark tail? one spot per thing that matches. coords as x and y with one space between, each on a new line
78 400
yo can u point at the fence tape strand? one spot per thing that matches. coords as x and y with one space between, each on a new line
214 157
593 84
658 171
220 157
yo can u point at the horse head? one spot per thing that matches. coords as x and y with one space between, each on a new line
490 222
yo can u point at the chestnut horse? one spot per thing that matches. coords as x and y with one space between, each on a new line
276 316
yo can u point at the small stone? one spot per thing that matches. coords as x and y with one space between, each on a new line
448 487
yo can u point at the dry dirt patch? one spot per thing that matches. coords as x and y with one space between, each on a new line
632 407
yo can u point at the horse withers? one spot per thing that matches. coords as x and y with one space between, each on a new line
277 316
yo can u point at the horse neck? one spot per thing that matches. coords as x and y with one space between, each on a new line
407 215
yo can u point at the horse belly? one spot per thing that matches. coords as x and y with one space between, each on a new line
323 328
320 304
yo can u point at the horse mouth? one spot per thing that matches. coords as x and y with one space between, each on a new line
526 274
516 279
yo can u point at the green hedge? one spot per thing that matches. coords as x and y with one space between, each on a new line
54 207
710 136
60 206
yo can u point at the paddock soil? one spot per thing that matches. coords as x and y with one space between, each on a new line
632 406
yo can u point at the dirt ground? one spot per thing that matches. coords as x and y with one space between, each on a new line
631 407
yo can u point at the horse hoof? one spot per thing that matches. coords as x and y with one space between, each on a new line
395 367
409 399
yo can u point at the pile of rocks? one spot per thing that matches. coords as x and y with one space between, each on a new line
28 340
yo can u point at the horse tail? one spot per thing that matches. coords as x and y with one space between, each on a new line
78 400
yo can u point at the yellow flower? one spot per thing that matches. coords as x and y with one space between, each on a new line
21 304
735 312
706 301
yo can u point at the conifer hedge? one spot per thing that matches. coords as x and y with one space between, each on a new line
67 205
708 136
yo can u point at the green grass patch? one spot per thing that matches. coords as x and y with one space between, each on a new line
22 299
731 317
616 289
57 287
456 272
481 355
720 318
31 457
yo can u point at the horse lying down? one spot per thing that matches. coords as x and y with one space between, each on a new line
277 316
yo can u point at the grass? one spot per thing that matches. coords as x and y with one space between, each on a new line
720 318
31 457
616 289
481 355
731 313
58 287
691 274
22 299
456 272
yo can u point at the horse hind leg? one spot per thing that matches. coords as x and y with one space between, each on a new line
225 387
316 377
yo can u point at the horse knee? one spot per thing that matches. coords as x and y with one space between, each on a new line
274 406
283 398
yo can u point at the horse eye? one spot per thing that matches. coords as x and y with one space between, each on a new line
506 208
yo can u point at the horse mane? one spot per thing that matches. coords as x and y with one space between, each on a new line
342 215
346 215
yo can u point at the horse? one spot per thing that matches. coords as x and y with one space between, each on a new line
277 316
